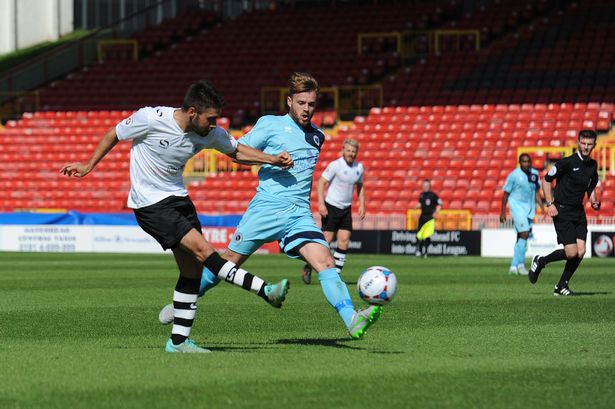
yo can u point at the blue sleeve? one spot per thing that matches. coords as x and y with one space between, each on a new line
510 182
257 138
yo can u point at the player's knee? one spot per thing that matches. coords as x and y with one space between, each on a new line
572 254
202 251
327 263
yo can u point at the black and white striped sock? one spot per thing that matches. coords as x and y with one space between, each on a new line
340 259
229 272
184 305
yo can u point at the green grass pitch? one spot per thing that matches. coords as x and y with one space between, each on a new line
81 331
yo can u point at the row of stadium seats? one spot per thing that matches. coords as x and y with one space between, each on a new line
468 168
562 57
240 66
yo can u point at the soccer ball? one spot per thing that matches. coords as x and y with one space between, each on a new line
603 246
377 285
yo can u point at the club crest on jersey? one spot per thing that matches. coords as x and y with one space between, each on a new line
315 139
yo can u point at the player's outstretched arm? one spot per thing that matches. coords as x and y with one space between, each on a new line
79 169
250 156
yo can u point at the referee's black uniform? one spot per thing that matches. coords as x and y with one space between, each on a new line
429 202
574 178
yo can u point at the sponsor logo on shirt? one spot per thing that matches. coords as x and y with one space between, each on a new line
173 170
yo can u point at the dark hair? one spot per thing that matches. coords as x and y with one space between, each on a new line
202 95
524 154
427 180
588 134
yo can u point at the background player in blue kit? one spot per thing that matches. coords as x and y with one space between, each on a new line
521 192
280 210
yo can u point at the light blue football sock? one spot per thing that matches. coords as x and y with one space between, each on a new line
519 255
208 281
336 293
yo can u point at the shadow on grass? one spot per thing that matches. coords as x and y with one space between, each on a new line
578 294
341 343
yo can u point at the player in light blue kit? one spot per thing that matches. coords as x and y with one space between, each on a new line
521 192
280 210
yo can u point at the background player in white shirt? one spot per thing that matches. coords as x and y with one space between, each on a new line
341 175
163 140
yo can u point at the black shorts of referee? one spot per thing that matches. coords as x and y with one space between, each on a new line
169 220
570 224
337 219
424 218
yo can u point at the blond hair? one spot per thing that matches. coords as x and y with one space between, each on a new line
302 82
351 142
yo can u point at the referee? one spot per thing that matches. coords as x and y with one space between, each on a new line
335 209
430 205
576 175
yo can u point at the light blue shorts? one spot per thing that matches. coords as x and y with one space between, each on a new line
267 220
521 222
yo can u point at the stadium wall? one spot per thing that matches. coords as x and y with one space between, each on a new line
119 233
24 23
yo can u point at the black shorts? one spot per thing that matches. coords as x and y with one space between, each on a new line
423 218
570 224
337 219
169 220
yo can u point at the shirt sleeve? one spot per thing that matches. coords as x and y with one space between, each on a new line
361 175
222 141
329 172
135 126
537 179
258 136
556 170
510 182
592 183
